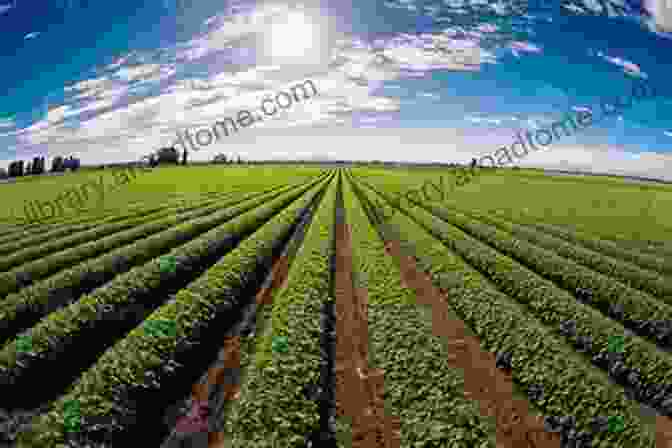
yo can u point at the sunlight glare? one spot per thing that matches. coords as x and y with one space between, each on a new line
295 39
291 38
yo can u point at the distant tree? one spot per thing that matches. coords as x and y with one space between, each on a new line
57 165
37 165
185 154
153 160
3 173
220 158
240 160
29 169
16 168
71 163
168 155
473 164
149 159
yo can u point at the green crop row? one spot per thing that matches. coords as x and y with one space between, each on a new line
28 234
429 401
136 362
82 221
659 264
98 231
274 409
69 230
629 273
68 326
35 251
26 230
641 365
653 248
539 358
22 309
31 272
236 179
644 247
261 313
627 305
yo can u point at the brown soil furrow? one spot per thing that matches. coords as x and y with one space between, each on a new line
230 355
359 389
663 432
483 381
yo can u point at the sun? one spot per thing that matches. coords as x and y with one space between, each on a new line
294 38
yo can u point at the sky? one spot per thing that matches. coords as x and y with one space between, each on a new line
396 80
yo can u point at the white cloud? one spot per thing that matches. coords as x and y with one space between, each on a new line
138 72
318 126
661 11
628 67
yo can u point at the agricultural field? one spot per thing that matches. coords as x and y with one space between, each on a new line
308 307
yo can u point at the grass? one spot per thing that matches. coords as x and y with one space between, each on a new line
148 186
598 205
603 206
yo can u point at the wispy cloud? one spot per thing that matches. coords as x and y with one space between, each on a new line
628 67
136 103
32 35
5 8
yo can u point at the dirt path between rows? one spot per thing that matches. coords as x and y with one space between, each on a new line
228 361
359 389
483 381
492 387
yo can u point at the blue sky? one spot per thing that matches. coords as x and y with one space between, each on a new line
113 81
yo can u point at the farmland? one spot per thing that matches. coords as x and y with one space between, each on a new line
275 306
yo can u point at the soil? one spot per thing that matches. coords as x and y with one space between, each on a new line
359 388
663 432
222 376
483 381
492 387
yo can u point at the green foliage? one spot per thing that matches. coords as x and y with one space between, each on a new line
272 409
572 387
140 354
438 414
629 273
280 344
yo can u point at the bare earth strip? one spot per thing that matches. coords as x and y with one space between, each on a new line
219 376
483 381
359 389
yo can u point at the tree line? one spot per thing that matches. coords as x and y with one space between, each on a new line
171 156
164 156
37 166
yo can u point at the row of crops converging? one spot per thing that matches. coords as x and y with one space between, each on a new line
289 313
